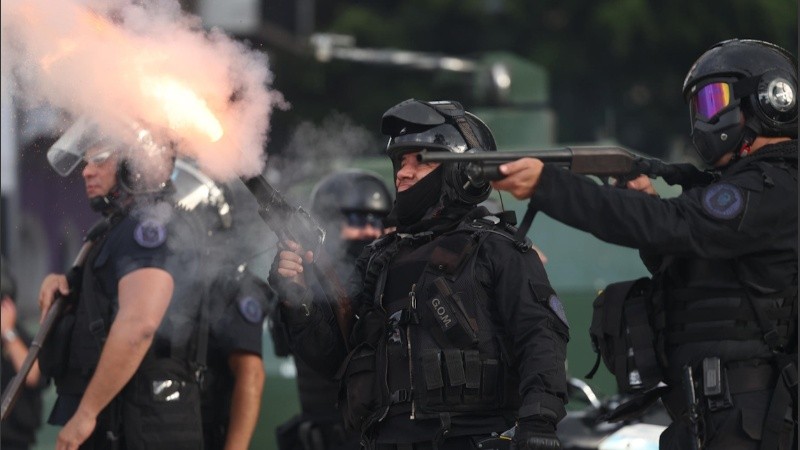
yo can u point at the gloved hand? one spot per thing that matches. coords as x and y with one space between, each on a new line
536 433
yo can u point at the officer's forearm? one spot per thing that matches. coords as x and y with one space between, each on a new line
122 354
248 370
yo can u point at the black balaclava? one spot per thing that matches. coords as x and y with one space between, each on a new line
412 204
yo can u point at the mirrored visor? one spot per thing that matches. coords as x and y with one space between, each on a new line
709 100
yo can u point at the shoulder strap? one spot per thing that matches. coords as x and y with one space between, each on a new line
97 320
527 221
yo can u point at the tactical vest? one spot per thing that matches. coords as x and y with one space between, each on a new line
729 316
719 300
460 363
92 317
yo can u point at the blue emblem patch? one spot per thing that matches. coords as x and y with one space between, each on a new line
150 233
558 309
251 310
723 201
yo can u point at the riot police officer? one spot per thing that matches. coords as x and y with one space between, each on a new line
231 308
457 332
723 255
111 382
352 205
234 381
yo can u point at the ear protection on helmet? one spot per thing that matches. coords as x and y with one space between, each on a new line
775 100
771 98
456 175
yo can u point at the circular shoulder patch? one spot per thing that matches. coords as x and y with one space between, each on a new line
251 310
150 233
558 309
723 201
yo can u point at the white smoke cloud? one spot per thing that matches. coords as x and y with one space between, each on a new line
145 61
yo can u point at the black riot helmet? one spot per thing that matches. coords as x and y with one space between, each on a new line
737 90
414 125
350 191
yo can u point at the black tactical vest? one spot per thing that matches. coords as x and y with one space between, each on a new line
93 316
459 362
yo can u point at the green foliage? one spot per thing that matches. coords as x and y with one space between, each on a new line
615 66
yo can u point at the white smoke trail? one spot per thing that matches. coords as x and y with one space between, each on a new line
146 61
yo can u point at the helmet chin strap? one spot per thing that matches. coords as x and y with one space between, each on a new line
115 201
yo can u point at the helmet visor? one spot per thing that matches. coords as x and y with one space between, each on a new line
444 137
68 151
710 100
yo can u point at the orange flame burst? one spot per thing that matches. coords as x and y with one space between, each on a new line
182 106
184 109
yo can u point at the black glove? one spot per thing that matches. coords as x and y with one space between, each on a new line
536 433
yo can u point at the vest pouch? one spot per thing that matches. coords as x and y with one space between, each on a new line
161 408
359 387
434 378
472 373
54 353
456 378
490 372
623 335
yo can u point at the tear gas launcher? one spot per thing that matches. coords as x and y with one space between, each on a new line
295 224
611 164
600 161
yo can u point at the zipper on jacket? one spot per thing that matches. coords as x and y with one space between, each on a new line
385 383
413 297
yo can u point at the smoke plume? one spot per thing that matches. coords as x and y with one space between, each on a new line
149 62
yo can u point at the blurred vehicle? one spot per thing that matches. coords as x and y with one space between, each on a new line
584 428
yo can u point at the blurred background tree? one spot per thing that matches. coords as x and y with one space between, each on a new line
616 67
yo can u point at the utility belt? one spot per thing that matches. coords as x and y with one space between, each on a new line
720 387
716 385
493 442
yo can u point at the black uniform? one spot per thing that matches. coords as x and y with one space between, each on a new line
458 333
236 307
163 390
722 256
19 428
319 425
